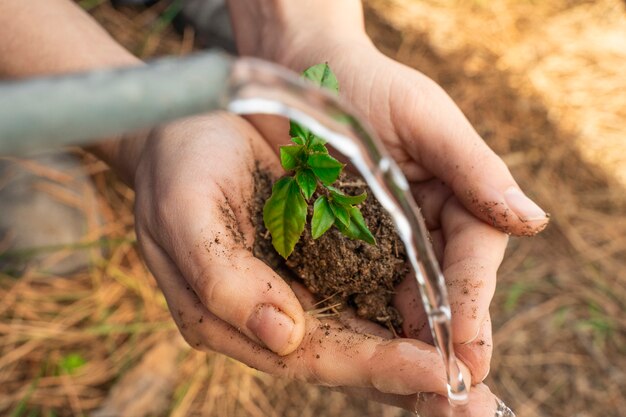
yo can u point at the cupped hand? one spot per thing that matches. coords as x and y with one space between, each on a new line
194 189
468 197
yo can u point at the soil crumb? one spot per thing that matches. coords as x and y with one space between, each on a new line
341 271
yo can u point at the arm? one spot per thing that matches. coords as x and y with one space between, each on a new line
57 37
277 29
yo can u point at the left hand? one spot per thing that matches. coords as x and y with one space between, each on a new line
468 197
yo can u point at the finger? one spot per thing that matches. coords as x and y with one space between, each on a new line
472 255
232 284
482 403
332 355
371 394
440 138
243 291
430 196
199 326
477 354
409 304
438 244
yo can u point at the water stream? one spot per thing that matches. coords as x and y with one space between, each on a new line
258 88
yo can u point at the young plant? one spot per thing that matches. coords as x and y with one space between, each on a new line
311 167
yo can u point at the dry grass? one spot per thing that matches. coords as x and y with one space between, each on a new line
542 88
571 53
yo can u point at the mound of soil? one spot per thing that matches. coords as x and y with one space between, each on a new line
337 269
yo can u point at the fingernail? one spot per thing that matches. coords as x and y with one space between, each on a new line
271 326
526 209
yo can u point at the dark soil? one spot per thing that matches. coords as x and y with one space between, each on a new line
339 270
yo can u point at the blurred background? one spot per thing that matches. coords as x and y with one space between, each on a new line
84 331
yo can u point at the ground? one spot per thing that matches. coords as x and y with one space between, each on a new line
545 92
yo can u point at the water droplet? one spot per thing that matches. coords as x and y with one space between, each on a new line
502 410
384 165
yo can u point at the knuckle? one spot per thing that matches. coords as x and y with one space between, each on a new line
194 341
196 325
305 363
209 286
166 207
198 337
479 369
314 369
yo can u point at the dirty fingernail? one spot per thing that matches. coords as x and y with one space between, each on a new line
273 327
526 209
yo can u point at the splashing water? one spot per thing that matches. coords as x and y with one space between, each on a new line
257 87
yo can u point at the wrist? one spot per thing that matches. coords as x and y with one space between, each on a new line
297 34
122 154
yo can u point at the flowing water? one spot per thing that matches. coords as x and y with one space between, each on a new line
257 87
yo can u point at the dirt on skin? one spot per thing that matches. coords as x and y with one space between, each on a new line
341 271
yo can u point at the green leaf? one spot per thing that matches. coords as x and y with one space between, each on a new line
298 131
315 142
346 200
291 156
325 167
322 76
344 119
318 148
307 181
341 212
70 363
302 136
357 228
359 222
284 215
516 291
323 217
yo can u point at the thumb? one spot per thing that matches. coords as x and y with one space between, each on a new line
250 296
231 283
487 189
443 141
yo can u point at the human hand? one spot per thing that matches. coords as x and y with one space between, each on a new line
468 197
194 185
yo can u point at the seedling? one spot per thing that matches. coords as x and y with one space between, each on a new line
310 167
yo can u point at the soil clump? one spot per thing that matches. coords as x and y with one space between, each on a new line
341 271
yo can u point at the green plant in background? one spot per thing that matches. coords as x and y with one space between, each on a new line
311 167
599 324
71 363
